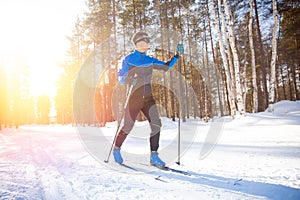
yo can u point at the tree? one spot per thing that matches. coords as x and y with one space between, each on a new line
43 109
288 49
3 98
63 99
229 80
226 72
263 66
239 96
253 65
65 85
274 56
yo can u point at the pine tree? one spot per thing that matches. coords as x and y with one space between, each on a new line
65 85
288 48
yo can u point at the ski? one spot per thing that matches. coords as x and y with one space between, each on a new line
174 170
170 169
234 182
158 178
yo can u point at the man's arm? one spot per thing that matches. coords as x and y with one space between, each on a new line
123 72
157 64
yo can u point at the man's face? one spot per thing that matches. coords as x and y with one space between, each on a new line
143 44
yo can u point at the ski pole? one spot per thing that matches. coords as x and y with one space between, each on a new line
180 51
178 146
119 122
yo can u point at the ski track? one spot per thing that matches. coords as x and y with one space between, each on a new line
49 162
39 168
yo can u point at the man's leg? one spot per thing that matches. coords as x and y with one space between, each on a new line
151 112
130 115
131 112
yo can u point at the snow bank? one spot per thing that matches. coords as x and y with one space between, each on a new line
286 107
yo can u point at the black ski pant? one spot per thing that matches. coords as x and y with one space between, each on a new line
148 107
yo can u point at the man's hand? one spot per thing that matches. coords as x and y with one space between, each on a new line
180 49
131 79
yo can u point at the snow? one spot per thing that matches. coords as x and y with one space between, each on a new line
54 162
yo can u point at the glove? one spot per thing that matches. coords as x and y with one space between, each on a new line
180 49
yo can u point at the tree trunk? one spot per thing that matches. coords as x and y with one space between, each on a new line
134 16
229 83
239 93
181 66
253 65
262 66
226 45
171 72
207 74
215 66
274 56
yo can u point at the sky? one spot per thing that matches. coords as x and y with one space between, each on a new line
33 34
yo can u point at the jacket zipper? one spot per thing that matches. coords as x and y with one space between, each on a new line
144 83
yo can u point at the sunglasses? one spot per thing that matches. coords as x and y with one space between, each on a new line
146 39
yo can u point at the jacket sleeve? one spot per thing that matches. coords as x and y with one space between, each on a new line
123 72
165 65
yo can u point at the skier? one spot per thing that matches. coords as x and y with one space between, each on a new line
137 70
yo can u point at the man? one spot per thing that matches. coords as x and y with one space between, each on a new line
137 69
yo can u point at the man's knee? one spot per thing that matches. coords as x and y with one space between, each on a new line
126 129
155 126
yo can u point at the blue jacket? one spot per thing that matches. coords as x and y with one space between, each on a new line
139 59
140 65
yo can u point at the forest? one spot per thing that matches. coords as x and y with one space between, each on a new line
240 56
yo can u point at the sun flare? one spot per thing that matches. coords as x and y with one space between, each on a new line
43 76
33 35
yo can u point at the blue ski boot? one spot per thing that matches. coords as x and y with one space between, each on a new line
156 161
117 155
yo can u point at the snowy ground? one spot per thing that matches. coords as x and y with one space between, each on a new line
51 162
